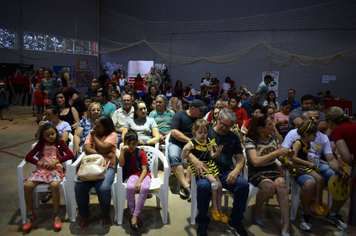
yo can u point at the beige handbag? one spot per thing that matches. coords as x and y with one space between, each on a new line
92 168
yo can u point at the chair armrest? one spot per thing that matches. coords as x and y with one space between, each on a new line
79 160
119 179
20 173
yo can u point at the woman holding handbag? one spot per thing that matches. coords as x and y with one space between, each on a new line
102 140
50 86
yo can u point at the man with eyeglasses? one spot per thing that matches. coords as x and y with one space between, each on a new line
122 114
229 176
181 133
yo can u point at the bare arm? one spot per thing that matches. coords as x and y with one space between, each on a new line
258 161
344 152
76 118
124 131
76 139
179 136
65 136
155 135
88 149
102 147
296 148
175 103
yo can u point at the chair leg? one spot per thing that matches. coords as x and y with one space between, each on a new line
193 209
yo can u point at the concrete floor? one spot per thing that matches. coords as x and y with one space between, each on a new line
15 140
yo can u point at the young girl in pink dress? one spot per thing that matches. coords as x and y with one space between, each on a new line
135 164
49 170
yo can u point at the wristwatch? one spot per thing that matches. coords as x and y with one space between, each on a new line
145 142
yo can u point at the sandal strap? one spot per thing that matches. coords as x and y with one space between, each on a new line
31 216
55 215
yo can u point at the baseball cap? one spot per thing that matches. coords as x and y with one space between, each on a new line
198 104
318 100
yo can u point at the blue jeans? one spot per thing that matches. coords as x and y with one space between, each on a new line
325 171
103 190
240 189
174 153
118 138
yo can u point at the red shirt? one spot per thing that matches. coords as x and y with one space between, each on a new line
247 124
346 131
241 115
143 159
39 79
26 82
39 98
138 86
232 84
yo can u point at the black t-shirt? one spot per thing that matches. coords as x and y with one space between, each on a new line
103 79
184 123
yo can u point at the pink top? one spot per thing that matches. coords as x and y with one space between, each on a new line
280 116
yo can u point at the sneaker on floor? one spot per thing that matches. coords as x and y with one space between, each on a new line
182 193
305 222
336 220
201 232
238 230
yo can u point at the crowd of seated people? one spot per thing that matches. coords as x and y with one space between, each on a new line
112 108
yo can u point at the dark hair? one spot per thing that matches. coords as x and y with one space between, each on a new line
66 104
292 90
202 79
206 100
113 84
117 92
269 93
134 94
254 108
55 109
104 93
178 81
178 92
107 123
149 90
187 90
168 87
237 98
115 72
227 79
253 130
48 126
307 97
320 93
198 96
287 102
135 105
328 92
222 91
208 73
268 77
265 109
307 127
131 135
138 77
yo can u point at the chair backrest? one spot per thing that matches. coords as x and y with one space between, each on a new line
152 157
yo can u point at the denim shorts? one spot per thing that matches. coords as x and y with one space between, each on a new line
39 110
174 153
4 106
325 171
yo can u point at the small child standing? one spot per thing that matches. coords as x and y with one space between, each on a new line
307 131
39 96
136 167
202 148
3 101
48 170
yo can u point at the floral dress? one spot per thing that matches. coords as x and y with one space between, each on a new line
41 174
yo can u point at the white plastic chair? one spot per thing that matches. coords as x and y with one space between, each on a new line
166 150
158 187
294 203
71 174
42 187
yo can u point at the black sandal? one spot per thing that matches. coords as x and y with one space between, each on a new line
46 197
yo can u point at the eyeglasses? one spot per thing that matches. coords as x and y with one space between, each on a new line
126 100
95 109
225 125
